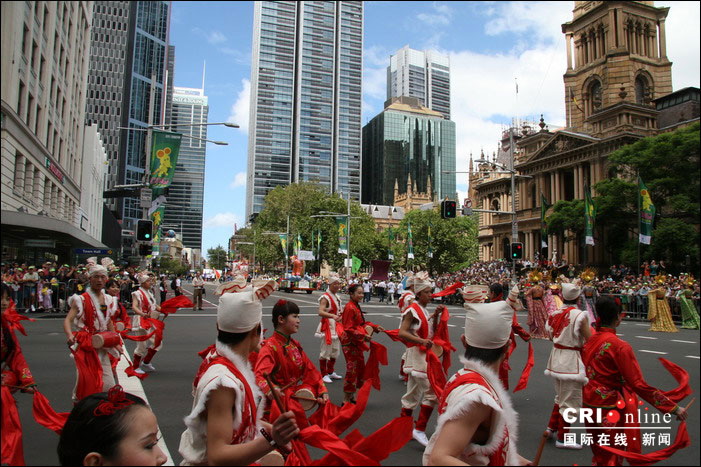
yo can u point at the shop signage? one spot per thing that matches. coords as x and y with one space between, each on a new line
40 243
53 168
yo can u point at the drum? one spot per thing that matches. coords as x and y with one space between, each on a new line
306 399
438 350
106 339
369 330
155 315
119 327
272 458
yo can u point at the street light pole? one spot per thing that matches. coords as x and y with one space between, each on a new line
514 218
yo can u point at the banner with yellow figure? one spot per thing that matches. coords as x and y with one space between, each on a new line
342 226
164 157
646 213
589 216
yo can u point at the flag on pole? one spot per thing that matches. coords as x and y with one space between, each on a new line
283 243
430 249
298 244
544 206
589 216
356 265
647 213
342 228
410 251
318 244
390 255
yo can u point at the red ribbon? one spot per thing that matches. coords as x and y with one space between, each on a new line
11 437
88 365
326 329
12 318
45 415
378 355
349 413
436 374
525 374
328 441
681 441
449 291
171 305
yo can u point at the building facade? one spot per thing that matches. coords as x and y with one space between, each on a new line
424 75
45 49
92 182
408 147
617 68
305 112
184 208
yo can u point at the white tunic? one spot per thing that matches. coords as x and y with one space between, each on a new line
332 323
566 364
136 297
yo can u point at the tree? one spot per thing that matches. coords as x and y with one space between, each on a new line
217 257
453 241
170 265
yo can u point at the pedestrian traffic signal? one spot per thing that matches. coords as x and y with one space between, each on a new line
516 250
144 230
448 209
145 249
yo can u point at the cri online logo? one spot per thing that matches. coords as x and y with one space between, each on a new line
597 416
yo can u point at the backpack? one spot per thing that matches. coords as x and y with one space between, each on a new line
173 285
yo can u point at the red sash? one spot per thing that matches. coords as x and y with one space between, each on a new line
422 332
325 326
248 417
558 322
86 360
88 313
499 456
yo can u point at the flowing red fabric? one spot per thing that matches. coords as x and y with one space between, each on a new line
681 441
137 338
326 329
323 415
377 357
129 371
328 441
88 365
449 291
349 413
12 318
442 338
523 382
436 374
171 305
157 325
681 376
11 437
45 415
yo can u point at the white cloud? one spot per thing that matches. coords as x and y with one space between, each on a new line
215 37
439 17
223 219
240 110
239 180
539 20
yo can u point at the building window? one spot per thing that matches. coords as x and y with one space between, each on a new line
642 90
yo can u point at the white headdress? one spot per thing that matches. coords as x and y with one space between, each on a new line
333 278
94 268
570 292
143 277
513 300
421 281
243 311
488 325
237 285
474 294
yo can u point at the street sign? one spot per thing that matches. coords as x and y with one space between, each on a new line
31 243
146 195
468 203
467 211
92 251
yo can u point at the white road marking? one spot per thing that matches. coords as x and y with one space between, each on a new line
693 356
654 351
683 342
452 325
641 324
646 337
133 385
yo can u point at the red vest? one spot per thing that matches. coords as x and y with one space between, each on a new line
422 332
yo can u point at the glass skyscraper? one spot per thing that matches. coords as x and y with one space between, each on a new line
186 194
408 140
305 97
423 75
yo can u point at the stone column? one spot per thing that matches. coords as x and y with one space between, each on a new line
568 36
663 40
557 186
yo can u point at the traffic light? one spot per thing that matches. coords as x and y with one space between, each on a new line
144 230
516 250
145 249
448 209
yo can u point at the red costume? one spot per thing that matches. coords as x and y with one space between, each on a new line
284 360
15 374
353 345
611 366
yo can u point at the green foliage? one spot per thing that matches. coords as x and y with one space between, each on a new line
217 257
454 242
170 265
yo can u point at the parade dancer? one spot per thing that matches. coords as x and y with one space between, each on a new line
659 312
330 313
477 424
91 313
569 329
405 299
537 312
417 328
611 366
690 317
225 426
143 303
354 340
587 301
120 321
15 376
283 360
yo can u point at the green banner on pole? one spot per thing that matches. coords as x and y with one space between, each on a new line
410 248
298 244
647 213
544 206
164 157
356 265
430 247
342 227
283 243
589 216
157 217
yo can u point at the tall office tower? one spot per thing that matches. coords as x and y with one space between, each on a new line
108 81
423 75
45 49
408 148
183 211
170 79
305 97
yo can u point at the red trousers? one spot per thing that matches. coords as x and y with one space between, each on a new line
355 367
601 456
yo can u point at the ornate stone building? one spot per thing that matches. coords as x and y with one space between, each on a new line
617 68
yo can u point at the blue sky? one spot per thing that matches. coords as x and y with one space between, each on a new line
489 43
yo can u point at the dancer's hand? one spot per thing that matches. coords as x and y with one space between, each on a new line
681 413
285 428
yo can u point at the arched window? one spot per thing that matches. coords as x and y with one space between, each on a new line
495 205
594 96
642 90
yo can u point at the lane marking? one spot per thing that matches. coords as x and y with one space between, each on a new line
683 342
693 356
133 385
641 324
195 315
452 326
646 337
654 351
